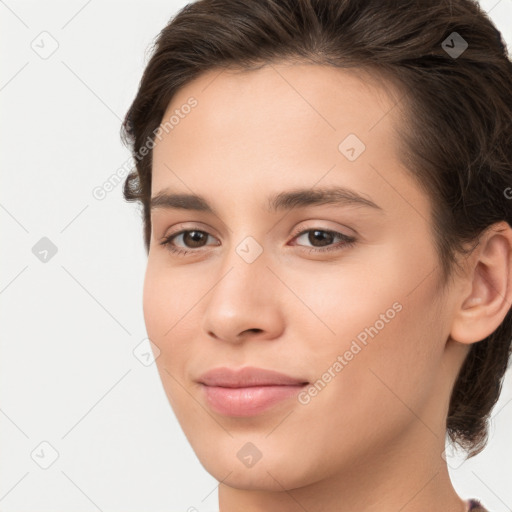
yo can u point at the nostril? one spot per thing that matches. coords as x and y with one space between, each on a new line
253 330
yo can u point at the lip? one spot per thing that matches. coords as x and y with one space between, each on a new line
247 376
247 391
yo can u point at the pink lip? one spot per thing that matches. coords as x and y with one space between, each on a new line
248 391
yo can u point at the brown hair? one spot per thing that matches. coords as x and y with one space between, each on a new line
456 136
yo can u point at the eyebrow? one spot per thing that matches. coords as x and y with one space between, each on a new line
289 200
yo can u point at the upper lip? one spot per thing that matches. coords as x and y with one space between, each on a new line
248 376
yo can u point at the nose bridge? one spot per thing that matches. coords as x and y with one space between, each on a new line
242 297
244 269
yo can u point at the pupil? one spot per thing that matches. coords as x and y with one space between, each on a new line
323 236
195 236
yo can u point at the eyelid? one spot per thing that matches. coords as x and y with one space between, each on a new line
166 239
319 227
184 226
297 231
347 241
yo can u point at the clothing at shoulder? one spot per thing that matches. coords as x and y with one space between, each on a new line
475 506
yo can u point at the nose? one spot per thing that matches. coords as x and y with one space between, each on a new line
244 302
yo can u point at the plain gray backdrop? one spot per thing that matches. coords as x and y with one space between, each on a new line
85 424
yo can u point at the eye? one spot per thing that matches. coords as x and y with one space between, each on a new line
192 238
324 238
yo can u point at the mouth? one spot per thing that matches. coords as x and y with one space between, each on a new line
247 401
248 391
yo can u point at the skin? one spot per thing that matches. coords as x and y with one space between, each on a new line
372 439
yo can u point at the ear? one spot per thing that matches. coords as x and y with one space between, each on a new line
486 297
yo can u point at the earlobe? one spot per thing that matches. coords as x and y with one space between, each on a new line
489 279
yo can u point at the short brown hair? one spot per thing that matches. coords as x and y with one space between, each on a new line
457 137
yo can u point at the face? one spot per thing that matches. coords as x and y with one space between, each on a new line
340 293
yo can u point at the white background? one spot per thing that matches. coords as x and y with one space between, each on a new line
68 375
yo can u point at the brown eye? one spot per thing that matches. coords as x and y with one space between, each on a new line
322 239
194 239
189 239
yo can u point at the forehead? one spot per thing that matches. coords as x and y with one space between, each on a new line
280 124
322 98
292 81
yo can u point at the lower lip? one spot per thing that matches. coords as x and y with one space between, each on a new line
247 401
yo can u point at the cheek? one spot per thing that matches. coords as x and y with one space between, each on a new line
162 308
382 317
379 388
361 296
157 306
168 296
166 302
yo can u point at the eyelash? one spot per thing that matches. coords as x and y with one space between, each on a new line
347 241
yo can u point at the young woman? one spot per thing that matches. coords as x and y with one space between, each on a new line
325 188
